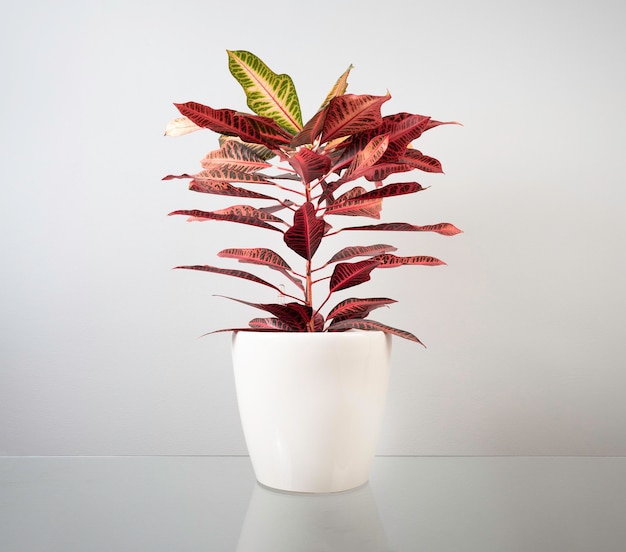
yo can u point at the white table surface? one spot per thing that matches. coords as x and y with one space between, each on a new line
213 504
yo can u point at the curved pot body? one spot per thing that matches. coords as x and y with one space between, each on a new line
311 405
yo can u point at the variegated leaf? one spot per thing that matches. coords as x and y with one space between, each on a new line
250 128
268 94
360 251
180 126
356 308
230 272
444 228
243 214
257 255
234 155
388 260
218 187
305 236
346 275
339 88
372 325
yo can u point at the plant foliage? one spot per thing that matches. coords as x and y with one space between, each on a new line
307 173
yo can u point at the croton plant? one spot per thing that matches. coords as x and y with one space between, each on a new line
299 180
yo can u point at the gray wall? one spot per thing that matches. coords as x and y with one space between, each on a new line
100 351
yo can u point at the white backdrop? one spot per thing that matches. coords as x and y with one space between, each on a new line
99 338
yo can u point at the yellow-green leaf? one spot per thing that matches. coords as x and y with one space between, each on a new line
268 94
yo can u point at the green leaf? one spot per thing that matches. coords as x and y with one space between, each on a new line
268 94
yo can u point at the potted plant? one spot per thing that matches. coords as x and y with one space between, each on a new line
311 374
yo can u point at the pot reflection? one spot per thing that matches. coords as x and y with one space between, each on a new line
286 522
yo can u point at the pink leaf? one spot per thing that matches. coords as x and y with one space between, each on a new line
305 236
372 325
346 275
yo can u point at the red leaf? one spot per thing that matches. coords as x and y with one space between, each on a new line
305 236
347 275
258 255
403 129
366 157
269 324
444 228
243 214
250 128
219 187
228 272
382 170
360 251
390 261
418 160
342 116
295 315
356 308
372 325
310 165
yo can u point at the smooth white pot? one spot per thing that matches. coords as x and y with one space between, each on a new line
311 406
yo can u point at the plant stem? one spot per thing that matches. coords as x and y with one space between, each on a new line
309 294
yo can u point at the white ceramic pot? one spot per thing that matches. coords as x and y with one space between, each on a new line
311 406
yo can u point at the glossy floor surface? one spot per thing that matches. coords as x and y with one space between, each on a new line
213 504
